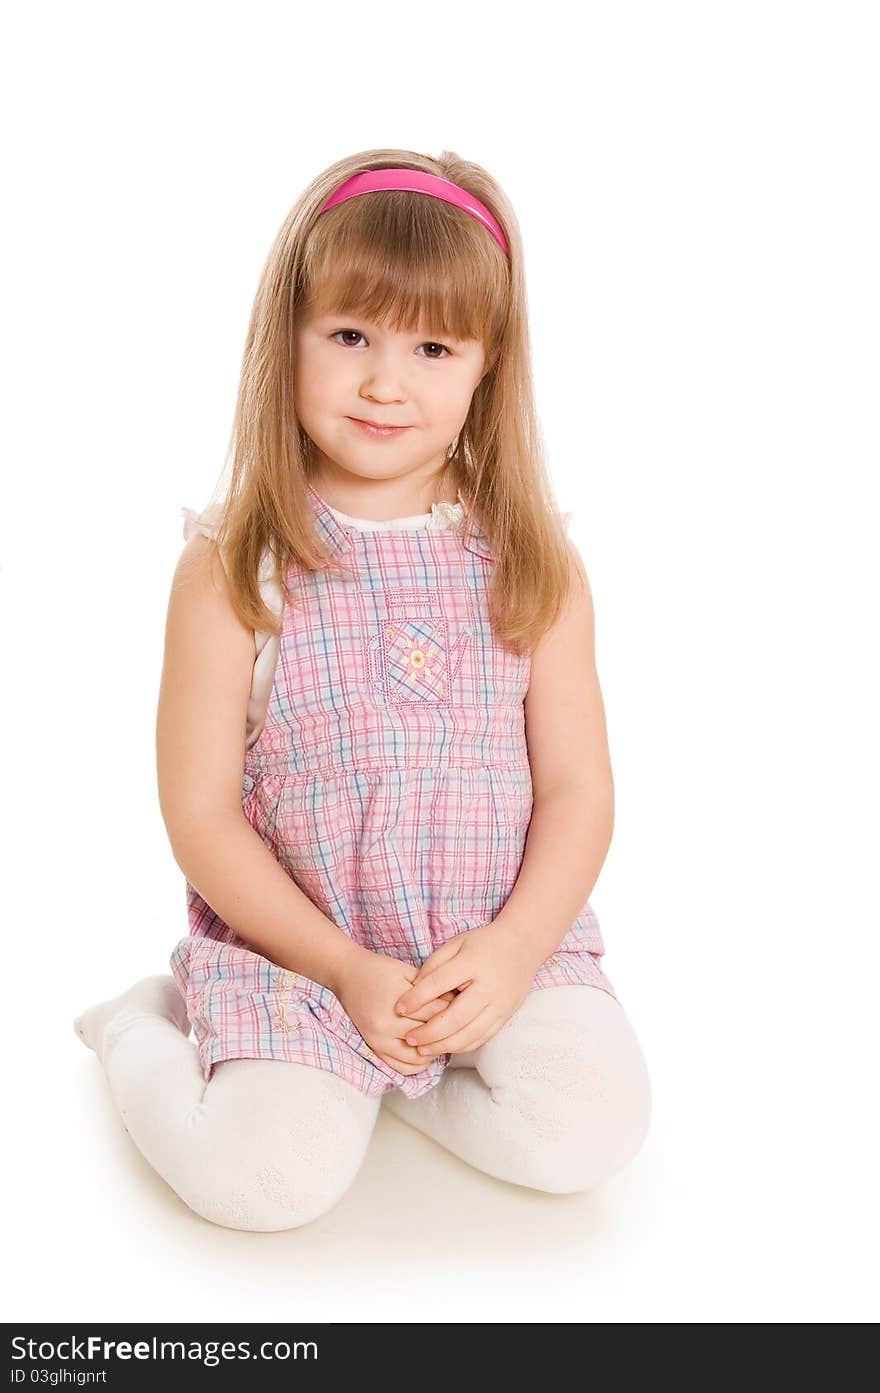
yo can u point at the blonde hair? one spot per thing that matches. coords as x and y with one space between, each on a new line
407 261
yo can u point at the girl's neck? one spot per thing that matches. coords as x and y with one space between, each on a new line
360 506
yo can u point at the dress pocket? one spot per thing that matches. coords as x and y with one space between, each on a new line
421 640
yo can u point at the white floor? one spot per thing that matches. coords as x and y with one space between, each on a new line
749 1202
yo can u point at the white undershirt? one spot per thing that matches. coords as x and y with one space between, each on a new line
371 525
441 515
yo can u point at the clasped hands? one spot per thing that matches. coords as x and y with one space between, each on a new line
456 1001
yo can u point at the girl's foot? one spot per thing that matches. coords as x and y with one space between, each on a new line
151 996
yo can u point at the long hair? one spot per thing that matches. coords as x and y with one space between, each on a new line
405 260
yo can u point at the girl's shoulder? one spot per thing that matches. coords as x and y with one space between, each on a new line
205 523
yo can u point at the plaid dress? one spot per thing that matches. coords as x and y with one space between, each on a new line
391 781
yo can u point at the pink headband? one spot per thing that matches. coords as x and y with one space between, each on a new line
416 181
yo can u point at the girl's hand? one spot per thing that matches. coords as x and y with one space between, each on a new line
493 970
368 986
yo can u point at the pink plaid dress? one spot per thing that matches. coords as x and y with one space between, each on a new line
391 781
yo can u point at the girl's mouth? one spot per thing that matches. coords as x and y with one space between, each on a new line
378 432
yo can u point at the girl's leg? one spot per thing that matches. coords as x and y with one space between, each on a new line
265 1145
559 1099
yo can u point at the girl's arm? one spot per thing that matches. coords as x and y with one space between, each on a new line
200 734
572 782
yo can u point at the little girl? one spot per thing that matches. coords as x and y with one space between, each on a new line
382 755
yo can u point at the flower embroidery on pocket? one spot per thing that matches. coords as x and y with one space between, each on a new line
416 659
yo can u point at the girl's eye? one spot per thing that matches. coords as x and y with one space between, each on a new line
430 344
436 345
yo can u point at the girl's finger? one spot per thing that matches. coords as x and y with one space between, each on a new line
457 1043
440 955
451 1021
412 1060
426 1012
433 985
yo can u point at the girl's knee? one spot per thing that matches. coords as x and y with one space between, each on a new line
569 1151
275 1146
265 1198
589 1147
582 1097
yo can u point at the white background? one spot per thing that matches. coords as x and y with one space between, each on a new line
697 190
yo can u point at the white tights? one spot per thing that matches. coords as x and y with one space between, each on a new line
558 1100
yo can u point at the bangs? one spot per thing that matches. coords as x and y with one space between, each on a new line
413 264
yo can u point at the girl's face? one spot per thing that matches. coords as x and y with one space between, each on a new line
348 367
